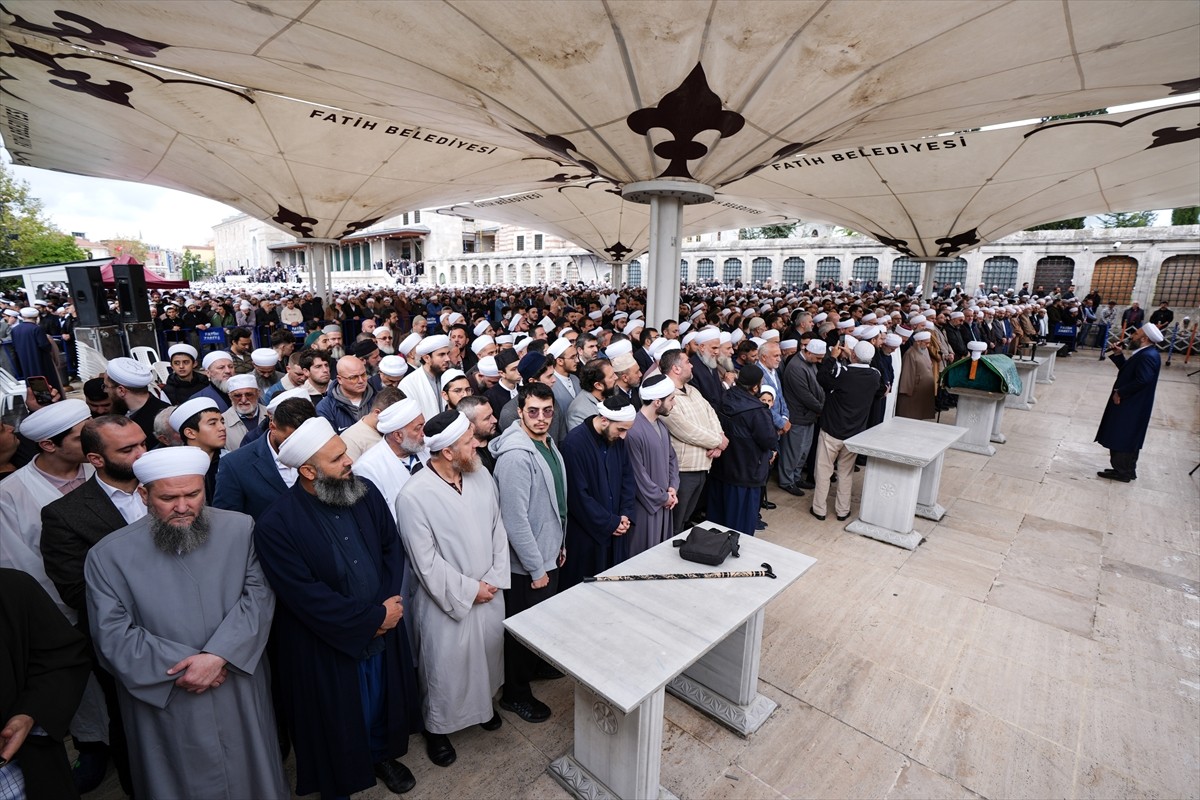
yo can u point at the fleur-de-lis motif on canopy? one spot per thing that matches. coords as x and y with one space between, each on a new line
618 251
299 223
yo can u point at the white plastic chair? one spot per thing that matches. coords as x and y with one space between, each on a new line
162 370
146 355
10 388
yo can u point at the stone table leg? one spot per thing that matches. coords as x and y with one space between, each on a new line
997 436
889 501
724 682
616 755
976 415
1028 372
927 494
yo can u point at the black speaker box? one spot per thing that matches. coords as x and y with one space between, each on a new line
131 292
87 294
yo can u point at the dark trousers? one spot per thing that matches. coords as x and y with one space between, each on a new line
118 745
1124 463
691 486
520 663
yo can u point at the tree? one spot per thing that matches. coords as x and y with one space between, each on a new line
1127 219
1186 216
127 246
1072 224
26 236
768 231
194 268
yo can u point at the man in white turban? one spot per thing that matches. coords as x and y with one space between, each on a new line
179 611
401 453
424 384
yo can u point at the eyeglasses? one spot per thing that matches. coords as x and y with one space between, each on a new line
546 412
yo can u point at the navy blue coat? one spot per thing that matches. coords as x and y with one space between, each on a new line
248 480
1123 427
35 353
707 382
747 424
600 490
320 635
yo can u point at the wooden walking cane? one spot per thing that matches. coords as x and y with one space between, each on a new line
765 572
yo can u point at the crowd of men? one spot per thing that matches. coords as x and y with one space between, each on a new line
362 509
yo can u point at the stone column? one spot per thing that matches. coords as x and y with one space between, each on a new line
317 257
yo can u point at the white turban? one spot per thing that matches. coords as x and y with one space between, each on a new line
397 415
480 343
816 347
49 421
488 368
689 337
128 372
708 335
432 344
185 411
504 339
515 321
186 349
789 344
921 336
408 343
264 357
623 414
771 334
819 318
481 326
1152 332
393 366
864 352
216 356
558 347
449 435
450 375
652 389
892 340
977 349
633 325
291 394
171 462
310 437
244 381
623 347
28 312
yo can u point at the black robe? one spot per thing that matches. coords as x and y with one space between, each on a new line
43 668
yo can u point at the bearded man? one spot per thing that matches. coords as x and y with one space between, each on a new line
331 552
400 454
179 612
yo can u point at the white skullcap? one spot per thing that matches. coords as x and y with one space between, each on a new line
921 336
171 462
658 347
869 317
689 337
487 367
408 343
480 343
636 315
515 321
620 315
8 312
333 328
128 372
758 342
432 344
185 349
244 381
558 347
851 341
28 312
870 332
684 327
382 329
264 357
904 332
727 338
892 340
397 415
311 436
449 375
299 393
455 318
771 334
623 414
864 352
506 338
481 326
449 435
547 324
789 344
819 318
215 357
957 315
766 388
49 421
393 366
185 411
633 325
595 314
845 324
698 312
623 347
1152 332
735 337
656 387
522 343
708 335
977 346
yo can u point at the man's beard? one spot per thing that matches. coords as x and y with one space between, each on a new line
119 406
340 492
180 539
708 361
726 363
118 472
386 349
608 392
221 385
411 445
467 463
435 371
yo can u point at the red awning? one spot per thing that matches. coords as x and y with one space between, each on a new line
153 279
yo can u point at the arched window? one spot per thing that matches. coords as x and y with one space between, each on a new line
683 270
732 270
1179 281
526 275
704 269
866 268
1114 277
633 275
1000 272
1054 271
950 272
905 270
793 270
829 269
475 274
760 270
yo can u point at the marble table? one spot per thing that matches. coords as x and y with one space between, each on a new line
1049 351
1027 368
625 643
904 470
979 413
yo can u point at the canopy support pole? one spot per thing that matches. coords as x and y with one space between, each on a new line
927 268
666 199
616 275
316 255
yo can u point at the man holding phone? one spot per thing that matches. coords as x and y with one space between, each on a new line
35 350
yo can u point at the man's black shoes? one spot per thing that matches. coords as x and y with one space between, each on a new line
768 505
818 516
806 484
1113 475
843 517
395 776
530 709
793 489
494 723
439 749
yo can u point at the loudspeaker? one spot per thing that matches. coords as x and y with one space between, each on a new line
131 292
87 294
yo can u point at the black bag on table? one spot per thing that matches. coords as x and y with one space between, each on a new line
708 546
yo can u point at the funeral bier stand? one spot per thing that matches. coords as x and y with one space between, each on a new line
903 473
627 642
982 384
1027 368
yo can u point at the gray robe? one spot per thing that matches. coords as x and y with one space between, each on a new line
148 610
453 542
655 470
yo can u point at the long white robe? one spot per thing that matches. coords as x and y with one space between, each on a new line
454 542
889 409
382 467
417 386
148 610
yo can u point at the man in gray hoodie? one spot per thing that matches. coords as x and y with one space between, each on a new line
533 491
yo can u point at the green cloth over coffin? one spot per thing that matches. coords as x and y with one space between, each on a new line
994 374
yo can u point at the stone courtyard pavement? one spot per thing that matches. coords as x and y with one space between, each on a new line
1043 642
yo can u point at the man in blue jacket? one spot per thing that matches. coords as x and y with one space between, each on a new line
1127 414
251 478
738 476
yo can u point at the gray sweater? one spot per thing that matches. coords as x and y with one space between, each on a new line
528 503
